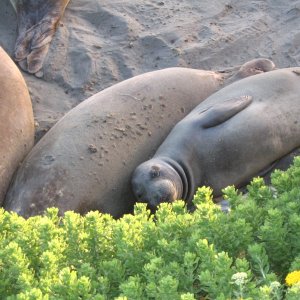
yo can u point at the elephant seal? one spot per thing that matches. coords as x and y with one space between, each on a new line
86 160
37 23
226 140
17 125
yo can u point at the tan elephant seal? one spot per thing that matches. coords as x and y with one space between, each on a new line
227 139
17 125
85 161
37 23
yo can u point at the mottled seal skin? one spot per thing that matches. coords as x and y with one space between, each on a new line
86 160
37 23
227 139
17 125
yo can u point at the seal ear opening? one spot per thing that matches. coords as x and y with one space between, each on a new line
221 112
155 171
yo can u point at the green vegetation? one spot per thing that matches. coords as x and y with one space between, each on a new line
244 254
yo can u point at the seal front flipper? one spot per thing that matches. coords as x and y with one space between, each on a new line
37 23
221 112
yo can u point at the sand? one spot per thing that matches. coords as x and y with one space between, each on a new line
100 43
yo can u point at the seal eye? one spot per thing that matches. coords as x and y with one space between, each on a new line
154 171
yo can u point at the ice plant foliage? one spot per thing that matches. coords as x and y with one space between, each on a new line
251 252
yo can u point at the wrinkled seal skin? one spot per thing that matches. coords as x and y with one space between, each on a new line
86 160
226 140
17 125
37 23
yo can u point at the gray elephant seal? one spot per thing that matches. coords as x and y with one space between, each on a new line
17 125
37 23
225 140
86 160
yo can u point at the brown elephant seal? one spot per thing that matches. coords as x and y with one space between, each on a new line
86 160
17 125
227 139
37 23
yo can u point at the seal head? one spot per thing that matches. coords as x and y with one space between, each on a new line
256 66
251 68
156 181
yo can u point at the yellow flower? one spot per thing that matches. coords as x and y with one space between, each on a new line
292 278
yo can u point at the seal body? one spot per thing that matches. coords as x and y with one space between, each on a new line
17 125
86 160
227 139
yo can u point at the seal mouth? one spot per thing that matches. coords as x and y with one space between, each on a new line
157 192
154 204
162 199
166 192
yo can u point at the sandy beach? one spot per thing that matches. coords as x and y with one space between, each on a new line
100 43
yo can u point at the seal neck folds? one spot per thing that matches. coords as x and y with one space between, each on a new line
184 191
